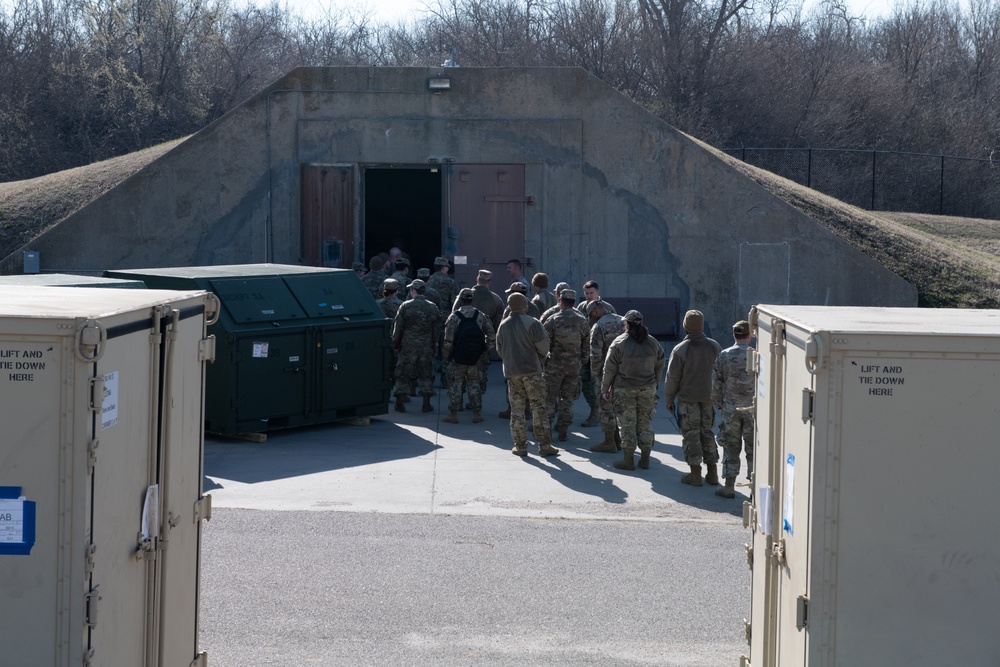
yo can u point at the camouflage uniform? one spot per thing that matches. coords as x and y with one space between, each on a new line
604 331
631 372
522 344
732 394
403 280
635 409
689 380
544 300
491 305
461 374
373 281
446 287
589 382
417 326
389 305
568 333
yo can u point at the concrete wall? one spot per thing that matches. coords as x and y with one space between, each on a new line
621 197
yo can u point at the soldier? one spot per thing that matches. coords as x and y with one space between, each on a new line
543 299
605 327
516 272
402 273
631 372
689 380
374 278
467 334
592 293
359 269
569 334
432 294
732 394
389 303
555 308
522 345
492 306
443 283
520 289
415 332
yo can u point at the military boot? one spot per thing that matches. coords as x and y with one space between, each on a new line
644 460
505 414
427 407
451 417
729 490
608 444
561 433
547 450
593 419
627 463
399 403
693 478
520 449
712 476
477 417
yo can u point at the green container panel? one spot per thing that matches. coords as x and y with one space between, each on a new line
257 299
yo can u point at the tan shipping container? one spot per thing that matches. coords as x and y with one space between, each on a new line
101 405
875 538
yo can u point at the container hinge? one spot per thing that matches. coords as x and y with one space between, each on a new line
747 631
744 661
778 338
778 552
801 612
206 349
88 554
91 599
749 550
92 455
88 658
200 660
753 361
807 404
203 508
97 393
748 514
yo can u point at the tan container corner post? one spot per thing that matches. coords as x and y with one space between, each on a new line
103 474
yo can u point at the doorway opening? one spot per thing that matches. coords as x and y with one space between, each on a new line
402 208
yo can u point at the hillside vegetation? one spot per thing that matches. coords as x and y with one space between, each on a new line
952 261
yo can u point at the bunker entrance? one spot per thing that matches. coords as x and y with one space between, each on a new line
402 208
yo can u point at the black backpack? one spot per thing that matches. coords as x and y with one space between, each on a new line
469 343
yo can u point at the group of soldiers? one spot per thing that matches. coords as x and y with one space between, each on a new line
553 347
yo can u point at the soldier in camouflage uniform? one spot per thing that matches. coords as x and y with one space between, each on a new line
492 306
374 278
605 327
522 345
632 370
432 294
415 333
689 380
592 292
543 299
389 303
569 334
732 394
402 273
459 374
532 311
555 308
443 283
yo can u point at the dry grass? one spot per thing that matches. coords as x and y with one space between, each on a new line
952 261
28 208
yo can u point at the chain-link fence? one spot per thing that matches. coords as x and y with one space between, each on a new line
889 180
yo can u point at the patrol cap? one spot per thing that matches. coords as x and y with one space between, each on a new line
594 305
358 266
440 261
418 285
485 275
560 287
741 329
567 295
633 316
517 287
465 294
390 284
424 273
517 302
402 260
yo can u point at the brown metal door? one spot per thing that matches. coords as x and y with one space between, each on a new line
486 220
328 215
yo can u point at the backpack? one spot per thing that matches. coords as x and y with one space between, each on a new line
469 343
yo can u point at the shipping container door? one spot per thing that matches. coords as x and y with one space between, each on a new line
124 466
355 366
271 376
327 215
485 220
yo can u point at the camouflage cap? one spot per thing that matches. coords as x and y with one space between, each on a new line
516 287
560 287
440 261
358 266
465 294
633 316
594 305
424 273
485 275
402 260
567 295
741 329
418 285
390 284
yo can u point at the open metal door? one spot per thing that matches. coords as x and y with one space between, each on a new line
327 215
484 226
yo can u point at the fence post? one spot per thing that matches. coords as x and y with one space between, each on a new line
941 191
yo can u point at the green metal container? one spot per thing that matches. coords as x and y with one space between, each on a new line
296 345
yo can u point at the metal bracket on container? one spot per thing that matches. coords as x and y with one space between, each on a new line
746 632
778 552
91 599
807 405
92 454
801 612
206 349
212 310
203 508
744 660
88 658
200 660
814 352
748 514
145 550
90 339
749 550
97 393
88 554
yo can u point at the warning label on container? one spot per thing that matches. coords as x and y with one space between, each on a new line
260 350
109 413
880 379
18 364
